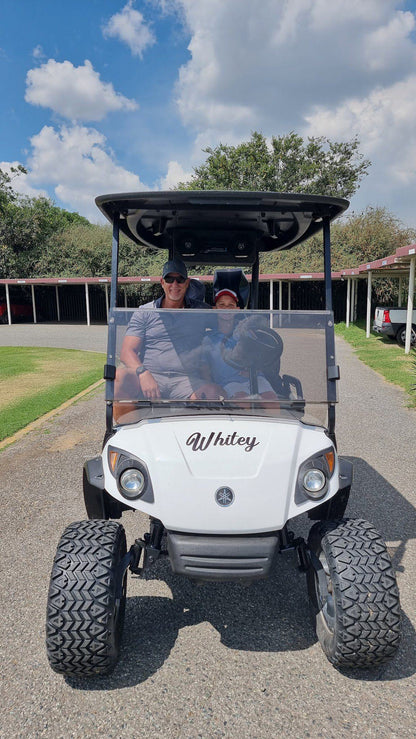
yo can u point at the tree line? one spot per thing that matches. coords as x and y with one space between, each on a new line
39 239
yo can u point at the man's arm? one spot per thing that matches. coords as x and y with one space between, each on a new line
129 355
130 351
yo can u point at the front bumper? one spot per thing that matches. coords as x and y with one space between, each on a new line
221 558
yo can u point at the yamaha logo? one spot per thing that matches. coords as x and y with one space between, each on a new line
224 497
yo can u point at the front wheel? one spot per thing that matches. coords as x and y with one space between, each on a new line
353 594
86 599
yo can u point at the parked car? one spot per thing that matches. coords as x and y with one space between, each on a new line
19 311
392 322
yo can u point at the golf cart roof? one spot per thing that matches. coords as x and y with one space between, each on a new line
205 226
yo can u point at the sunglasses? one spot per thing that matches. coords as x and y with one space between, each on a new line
170 279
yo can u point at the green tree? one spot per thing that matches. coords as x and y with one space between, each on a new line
26 224
287 164
372 234
81 250
7 193
357 238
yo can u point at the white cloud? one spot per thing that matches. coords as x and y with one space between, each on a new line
384 122
319 67
76 93
129 26
265 64
21 183
38 52
386 44
76 162
174 175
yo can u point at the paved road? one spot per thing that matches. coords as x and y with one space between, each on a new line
212 661
62 335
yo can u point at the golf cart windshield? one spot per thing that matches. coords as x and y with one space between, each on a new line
248 362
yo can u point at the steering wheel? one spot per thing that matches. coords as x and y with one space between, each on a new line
256 348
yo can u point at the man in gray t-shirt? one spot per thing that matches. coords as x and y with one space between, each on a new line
161 350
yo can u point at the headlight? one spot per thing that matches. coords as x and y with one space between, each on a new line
314 475
132 483
314 482
131 474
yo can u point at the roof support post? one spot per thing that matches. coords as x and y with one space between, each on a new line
87 304
352 300
280 295
355 298
330 336
410 305
348 306
106 301
114 261
289 294
33 304
254 297
58 310
9 313
327 264
271 303
368 317
109 371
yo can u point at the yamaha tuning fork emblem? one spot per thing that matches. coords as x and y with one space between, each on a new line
224 497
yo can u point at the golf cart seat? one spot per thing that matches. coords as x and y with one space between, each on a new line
196 290
235 280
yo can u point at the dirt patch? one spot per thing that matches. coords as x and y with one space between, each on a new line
70 439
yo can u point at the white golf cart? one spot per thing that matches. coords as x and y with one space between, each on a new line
221 476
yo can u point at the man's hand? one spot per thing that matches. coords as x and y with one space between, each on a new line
149 386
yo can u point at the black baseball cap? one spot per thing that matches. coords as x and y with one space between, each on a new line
175 265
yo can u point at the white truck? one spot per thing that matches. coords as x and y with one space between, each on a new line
392 322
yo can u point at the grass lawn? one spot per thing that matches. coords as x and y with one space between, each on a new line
36 380
384 356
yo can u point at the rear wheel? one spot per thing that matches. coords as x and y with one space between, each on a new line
353 594
401 336
86 599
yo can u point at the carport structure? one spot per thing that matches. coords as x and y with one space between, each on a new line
400 265
282 301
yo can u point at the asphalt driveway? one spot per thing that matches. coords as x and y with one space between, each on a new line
61 335
211 661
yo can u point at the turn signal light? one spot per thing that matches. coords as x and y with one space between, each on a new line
112 459
330 460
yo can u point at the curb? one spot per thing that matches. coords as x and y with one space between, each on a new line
39 421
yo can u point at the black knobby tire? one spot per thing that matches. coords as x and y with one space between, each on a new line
401 336
353 594
86 599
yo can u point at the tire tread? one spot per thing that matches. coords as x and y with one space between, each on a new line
368 618
80 635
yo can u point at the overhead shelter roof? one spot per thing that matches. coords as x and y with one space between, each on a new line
394 265
57 281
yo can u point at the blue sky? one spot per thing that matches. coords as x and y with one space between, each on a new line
105 96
